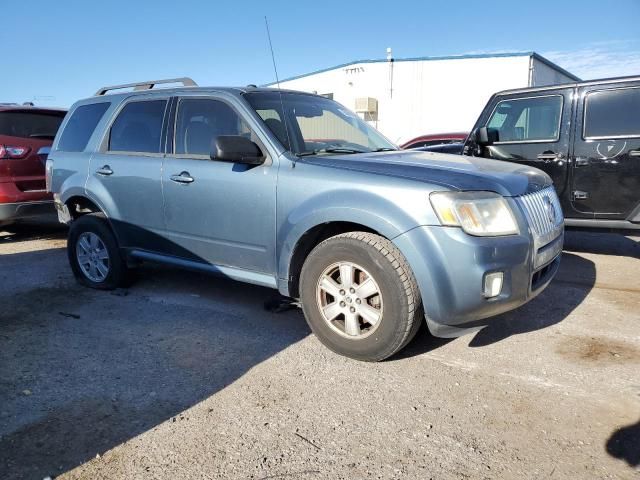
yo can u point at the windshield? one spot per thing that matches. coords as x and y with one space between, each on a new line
315 125
30 124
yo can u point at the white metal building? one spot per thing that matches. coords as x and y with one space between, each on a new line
405 98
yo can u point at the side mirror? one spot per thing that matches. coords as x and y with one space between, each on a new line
486 136
237 149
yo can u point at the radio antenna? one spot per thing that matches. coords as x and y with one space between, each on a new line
275 69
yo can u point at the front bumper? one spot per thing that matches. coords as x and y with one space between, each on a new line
14 211
450 265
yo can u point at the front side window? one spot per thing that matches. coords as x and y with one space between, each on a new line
612 114
315 125
200 121
80 127
30 124
535 119
138 127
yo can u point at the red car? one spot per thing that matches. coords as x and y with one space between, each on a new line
435 139
24 130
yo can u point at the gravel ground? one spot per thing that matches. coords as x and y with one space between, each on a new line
188 376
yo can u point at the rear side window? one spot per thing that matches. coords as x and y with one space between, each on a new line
612 114
30 124
138 127
80 127
533 119
201 120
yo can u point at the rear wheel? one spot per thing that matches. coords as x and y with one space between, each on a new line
359 296
94 255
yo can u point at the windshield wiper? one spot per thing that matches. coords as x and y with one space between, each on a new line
385 149
343 150
306 154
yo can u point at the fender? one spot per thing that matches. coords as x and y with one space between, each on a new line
368 209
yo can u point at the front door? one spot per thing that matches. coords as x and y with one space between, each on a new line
606 173
216 212
126 173
535 131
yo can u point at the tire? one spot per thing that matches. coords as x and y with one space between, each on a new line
91 237
384 322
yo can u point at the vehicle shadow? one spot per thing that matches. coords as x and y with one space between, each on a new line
603 243
624 444
552 306
37 228
82 371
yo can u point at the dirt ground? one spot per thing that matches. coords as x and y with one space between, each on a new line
187 376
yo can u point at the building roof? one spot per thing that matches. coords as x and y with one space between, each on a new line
535 55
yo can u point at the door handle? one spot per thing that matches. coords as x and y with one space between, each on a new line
634 153
581 162
549 157
182 177
105 170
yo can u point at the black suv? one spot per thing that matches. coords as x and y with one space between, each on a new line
585 135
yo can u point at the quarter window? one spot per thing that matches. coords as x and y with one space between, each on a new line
612 113
80 127
138 127
535 119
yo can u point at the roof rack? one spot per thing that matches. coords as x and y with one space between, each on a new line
186 82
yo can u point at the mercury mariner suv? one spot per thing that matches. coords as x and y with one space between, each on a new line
295 192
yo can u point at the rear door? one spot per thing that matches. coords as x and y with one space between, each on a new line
533 130
606 173
125 175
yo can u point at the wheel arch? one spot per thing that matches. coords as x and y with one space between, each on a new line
307 241
79 205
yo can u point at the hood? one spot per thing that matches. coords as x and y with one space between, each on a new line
456 172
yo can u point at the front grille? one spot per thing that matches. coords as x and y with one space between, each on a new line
544 214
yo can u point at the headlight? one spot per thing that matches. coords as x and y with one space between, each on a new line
478 213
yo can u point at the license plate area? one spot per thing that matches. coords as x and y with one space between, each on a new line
547 253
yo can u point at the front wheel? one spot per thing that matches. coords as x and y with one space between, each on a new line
360 297
94 255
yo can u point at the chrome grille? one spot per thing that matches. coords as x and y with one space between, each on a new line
543 211
544 214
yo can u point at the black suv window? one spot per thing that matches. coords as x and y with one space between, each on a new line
80 126
200 120
612 113
30 124
534 119
138 127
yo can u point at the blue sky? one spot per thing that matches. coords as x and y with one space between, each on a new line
55 52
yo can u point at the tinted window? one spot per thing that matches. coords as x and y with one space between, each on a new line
138 127
612 113
80 126
200 120
527 119
30 124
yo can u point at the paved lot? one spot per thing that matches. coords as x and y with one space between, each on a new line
188 376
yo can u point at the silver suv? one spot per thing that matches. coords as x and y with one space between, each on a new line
293 191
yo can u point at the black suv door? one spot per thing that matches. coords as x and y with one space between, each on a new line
606 173
532 129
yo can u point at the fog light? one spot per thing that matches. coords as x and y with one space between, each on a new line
492 284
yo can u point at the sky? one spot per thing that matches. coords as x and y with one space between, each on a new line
56 52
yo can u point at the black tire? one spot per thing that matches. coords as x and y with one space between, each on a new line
97 224
401 315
